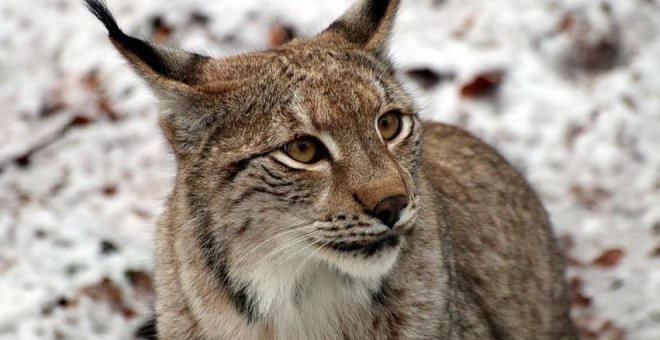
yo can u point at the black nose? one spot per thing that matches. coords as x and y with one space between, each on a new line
389 209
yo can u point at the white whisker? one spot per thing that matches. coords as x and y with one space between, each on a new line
294 229
294 254
302 264
285 246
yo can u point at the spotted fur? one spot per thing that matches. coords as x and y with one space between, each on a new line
255 245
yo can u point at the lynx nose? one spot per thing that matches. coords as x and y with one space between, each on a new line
389 209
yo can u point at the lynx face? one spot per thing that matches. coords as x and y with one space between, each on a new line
328 172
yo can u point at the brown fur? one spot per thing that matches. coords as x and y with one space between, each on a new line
253 245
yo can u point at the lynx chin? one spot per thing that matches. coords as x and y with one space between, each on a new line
311 201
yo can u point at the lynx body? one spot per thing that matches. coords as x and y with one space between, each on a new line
311 202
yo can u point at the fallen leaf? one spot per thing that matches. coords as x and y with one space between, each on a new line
609 258
578 297
109 190
107 291
161 31
280 35
483 85
141 280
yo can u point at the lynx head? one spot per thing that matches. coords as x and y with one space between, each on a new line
308 150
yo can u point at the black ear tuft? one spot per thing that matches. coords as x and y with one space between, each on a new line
139 48
377 11
101 11
184 82
362 30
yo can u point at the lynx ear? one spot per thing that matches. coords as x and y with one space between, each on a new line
184 82
368 24
162 67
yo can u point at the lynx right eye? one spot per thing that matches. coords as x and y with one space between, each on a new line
306 150
389 125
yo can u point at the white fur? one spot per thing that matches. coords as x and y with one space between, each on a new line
324 296
318 166
298 109
407 214
333 147
367 268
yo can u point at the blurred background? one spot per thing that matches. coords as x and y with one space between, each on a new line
568 91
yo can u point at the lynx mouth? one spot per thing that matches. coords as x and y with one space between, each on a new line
367 248
365 259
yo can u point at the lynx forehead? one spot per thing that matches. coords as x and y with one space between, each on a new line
311 202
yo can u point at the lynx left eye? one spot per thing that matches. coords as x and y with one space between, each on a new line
306 150
389 125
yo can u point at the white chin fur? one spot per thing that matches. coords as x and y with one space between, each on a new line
371 267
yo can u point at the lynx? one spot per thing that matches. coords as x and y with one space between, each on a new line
311 201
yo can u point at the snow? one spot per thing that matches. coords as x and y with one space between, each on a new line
577 110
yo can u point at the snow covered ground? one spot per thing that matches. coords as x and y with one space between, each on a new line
568 90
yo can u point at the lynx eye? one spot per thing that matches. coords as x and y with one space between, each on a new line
390 124
306 150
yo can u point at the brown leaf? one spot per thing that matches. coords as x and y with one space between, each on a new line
612 331
142 281
108 291
594 328
91 80
609 258
107 109
483 85
578 298
109 190
280 35
128 313
81 120
567 23
161 31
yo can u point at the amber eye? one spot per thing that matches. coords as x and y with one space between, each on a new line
389 125
306 150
